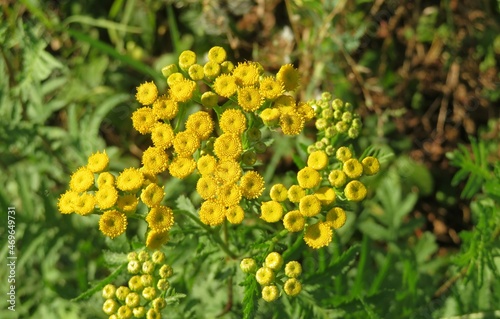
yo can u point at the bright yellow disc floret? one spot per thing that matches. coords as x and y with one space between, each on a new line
182 90
294 221
84 204
186 59
235 214
246 74
143 120
112 223
162 135
295 193
130 179
278 193
206 164
317 160
186 143
155 160
146 93
81 180
252 185
152 195
106 197
270 88
318 235
271 211
65 202
127 203
160 218
326 195
201 124
225 85
212 213
105 179
165 108
308 178
181 167
337 178
336 217
291 123
249 98
233 121
228 146
309 206
155 239
355 191
371 165
289 76
217 54
98 162
352 168
292 287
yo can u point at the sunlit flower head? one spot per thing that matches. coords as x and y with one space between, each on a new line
248 265
235 214
186 143
201 124
98 162
228 146
291 123
352 168
225 85
127 203
186 59
294 221
227 67
284 101
196 73
293 269
233 121
147 93
252 184
292 287
81 180
317 160
249 98
305 110
278 193
308 177
371 165
106 197
181 167
152 195
143 120
336 217
274 260
228 171
270 116
206 187
212 213
165 108
155 160
264 276
112 223
326 195
174 78
217 54
270 293
206 164
162 135
289 76
209 99
65 202
229 194
318 235
271 211
295 193
169 69
156 239
211 70
130 179
343 153
337 178
105 179
270 88
183 90
246 74
160 218
355 191
309 206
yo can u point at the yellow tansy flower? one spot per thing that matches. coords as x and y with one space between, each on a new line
165 108
160 218
206 164
249 98
206 187
84 204
246 74
371 165
209 99
271 211
337 178
66 202
81 180
318 235
294 221
105 179
292 287
326 195
289 76
270 116
229 194
227 67
248 265
355 191
228 146
127 203
186 143
225 85
235 214
186 59
252 185
308 177
270 88
182 90
233 121
130 179
284 101
305 110
291 123
146 93
169 69
228 171
152 195
143 120
201 124
211 70
112 223
309 206
181 167
270 293
343 153
317 160
278 193
336 217
98 162
196 72
352 168
162 135
217 54
156 239
212 213
293 269
174 78
155 160
106 197
274 260
295 193
264 276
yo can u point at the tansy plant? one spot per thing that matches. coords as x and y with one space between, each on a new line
209 124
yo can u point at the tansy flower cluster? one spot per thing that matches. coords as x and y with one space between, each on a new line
270 276
144 296
312 205
334 118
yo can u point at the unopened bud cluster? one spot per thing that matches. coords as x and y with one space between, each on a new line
269 276
144 296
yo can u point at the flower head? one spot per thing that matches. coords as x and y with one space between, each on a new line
143 120
65 202
228 146
155 160
352 168
233 121
106 197
318 235
130 179
196 73
206 164
337 178
291 122
206 187
289 76
209 99
355 191
274 260
278 193
270 88
182 90
252 185
81 180
317 160
308 177
235 214
326 195
127 204
371 165
336 217
152 195
155 239
186 59
162 135
181 167
211 69
294 221
309 206
105 179
295 193
292 287
264 276
112 223
249 98
225 85
229 194
201 124
270 293
217 54
98 162
165 108
293 269
246 74
271 211
212 213
228 171
248 265
160 218
270 116
146 93
343 153
186 143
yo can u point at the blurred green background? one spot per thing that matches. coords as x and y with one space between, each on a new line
424 75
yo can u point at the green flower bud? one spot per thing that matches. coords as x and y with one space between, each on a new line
337 115
319 145
108 291
326 96
149 293
122 292
311 148
143 256
347 117
132 256
254 134
133 267
110 306
147 280
135 283
327 113
148 267
159 304
325 141
353 133
133 299
321 124
341 127
139 312
249 158
330 150
158 257
169 70
163 284
260 147
337 104
248 265
166 271
330 131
